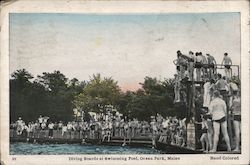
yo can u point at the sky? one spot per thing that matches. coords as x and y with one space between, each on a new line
126 47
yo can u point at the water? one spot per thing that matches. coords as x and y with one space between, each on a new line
60 149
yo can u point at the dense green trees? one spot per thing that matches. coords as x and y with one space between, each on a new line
154 97
51 94
54 95
97 93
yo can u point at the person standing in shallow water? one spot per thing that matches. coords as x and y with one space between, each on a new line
218 110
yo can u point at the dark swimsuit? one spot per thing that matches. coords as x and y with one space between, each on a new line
220 120
178 68
191 60
204 130
211 65
198 64
237 117
227 66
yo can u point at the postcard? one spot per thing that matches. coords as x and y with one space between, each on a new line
124 82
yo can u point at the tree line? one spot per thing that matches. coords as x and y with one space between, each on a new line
55 95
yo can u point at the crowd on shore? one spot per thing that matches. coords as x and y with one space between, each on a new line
221 97
167 130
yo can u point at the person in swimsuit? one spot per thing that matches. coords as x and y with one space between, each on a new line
211 65
40 119
181 64
126 133
204 66
177 62
222 86
154 128
177 86
190 68
198 66
227 62
236 110
218 110
20 126
204 133
206 93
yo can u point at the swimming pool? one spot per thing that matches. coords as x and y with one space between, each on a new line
21 148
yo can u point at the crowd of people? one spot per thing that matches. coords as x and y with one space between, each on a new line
204 66
200 68
221 97
220 102
166 130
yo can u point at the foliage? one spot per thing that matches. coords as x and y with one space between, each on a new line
49 95
54 95
97 93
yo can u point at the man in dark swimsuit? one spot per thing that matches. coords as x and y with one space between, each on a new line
211 66
227 62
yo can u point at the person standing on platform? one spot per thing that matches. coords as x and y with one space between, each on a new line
233 90
181 64
198 66
60 125
210 131
227 62
218 110
211 65
204 66
206 95
43 129
127 134
204 133
154 128
222 86
69 129
20 126
51 128
177 86
190 68
236 111
40 120
64 130
177 63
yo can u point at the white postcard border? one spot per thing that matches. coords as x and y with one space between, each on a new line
105 7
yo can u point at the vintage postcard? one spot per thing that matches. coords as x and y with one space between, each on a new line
124 82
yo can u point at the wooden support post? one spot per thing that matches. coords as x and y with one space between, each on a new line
191 126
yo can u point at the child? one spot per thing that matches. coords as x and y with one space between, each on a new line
204 135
